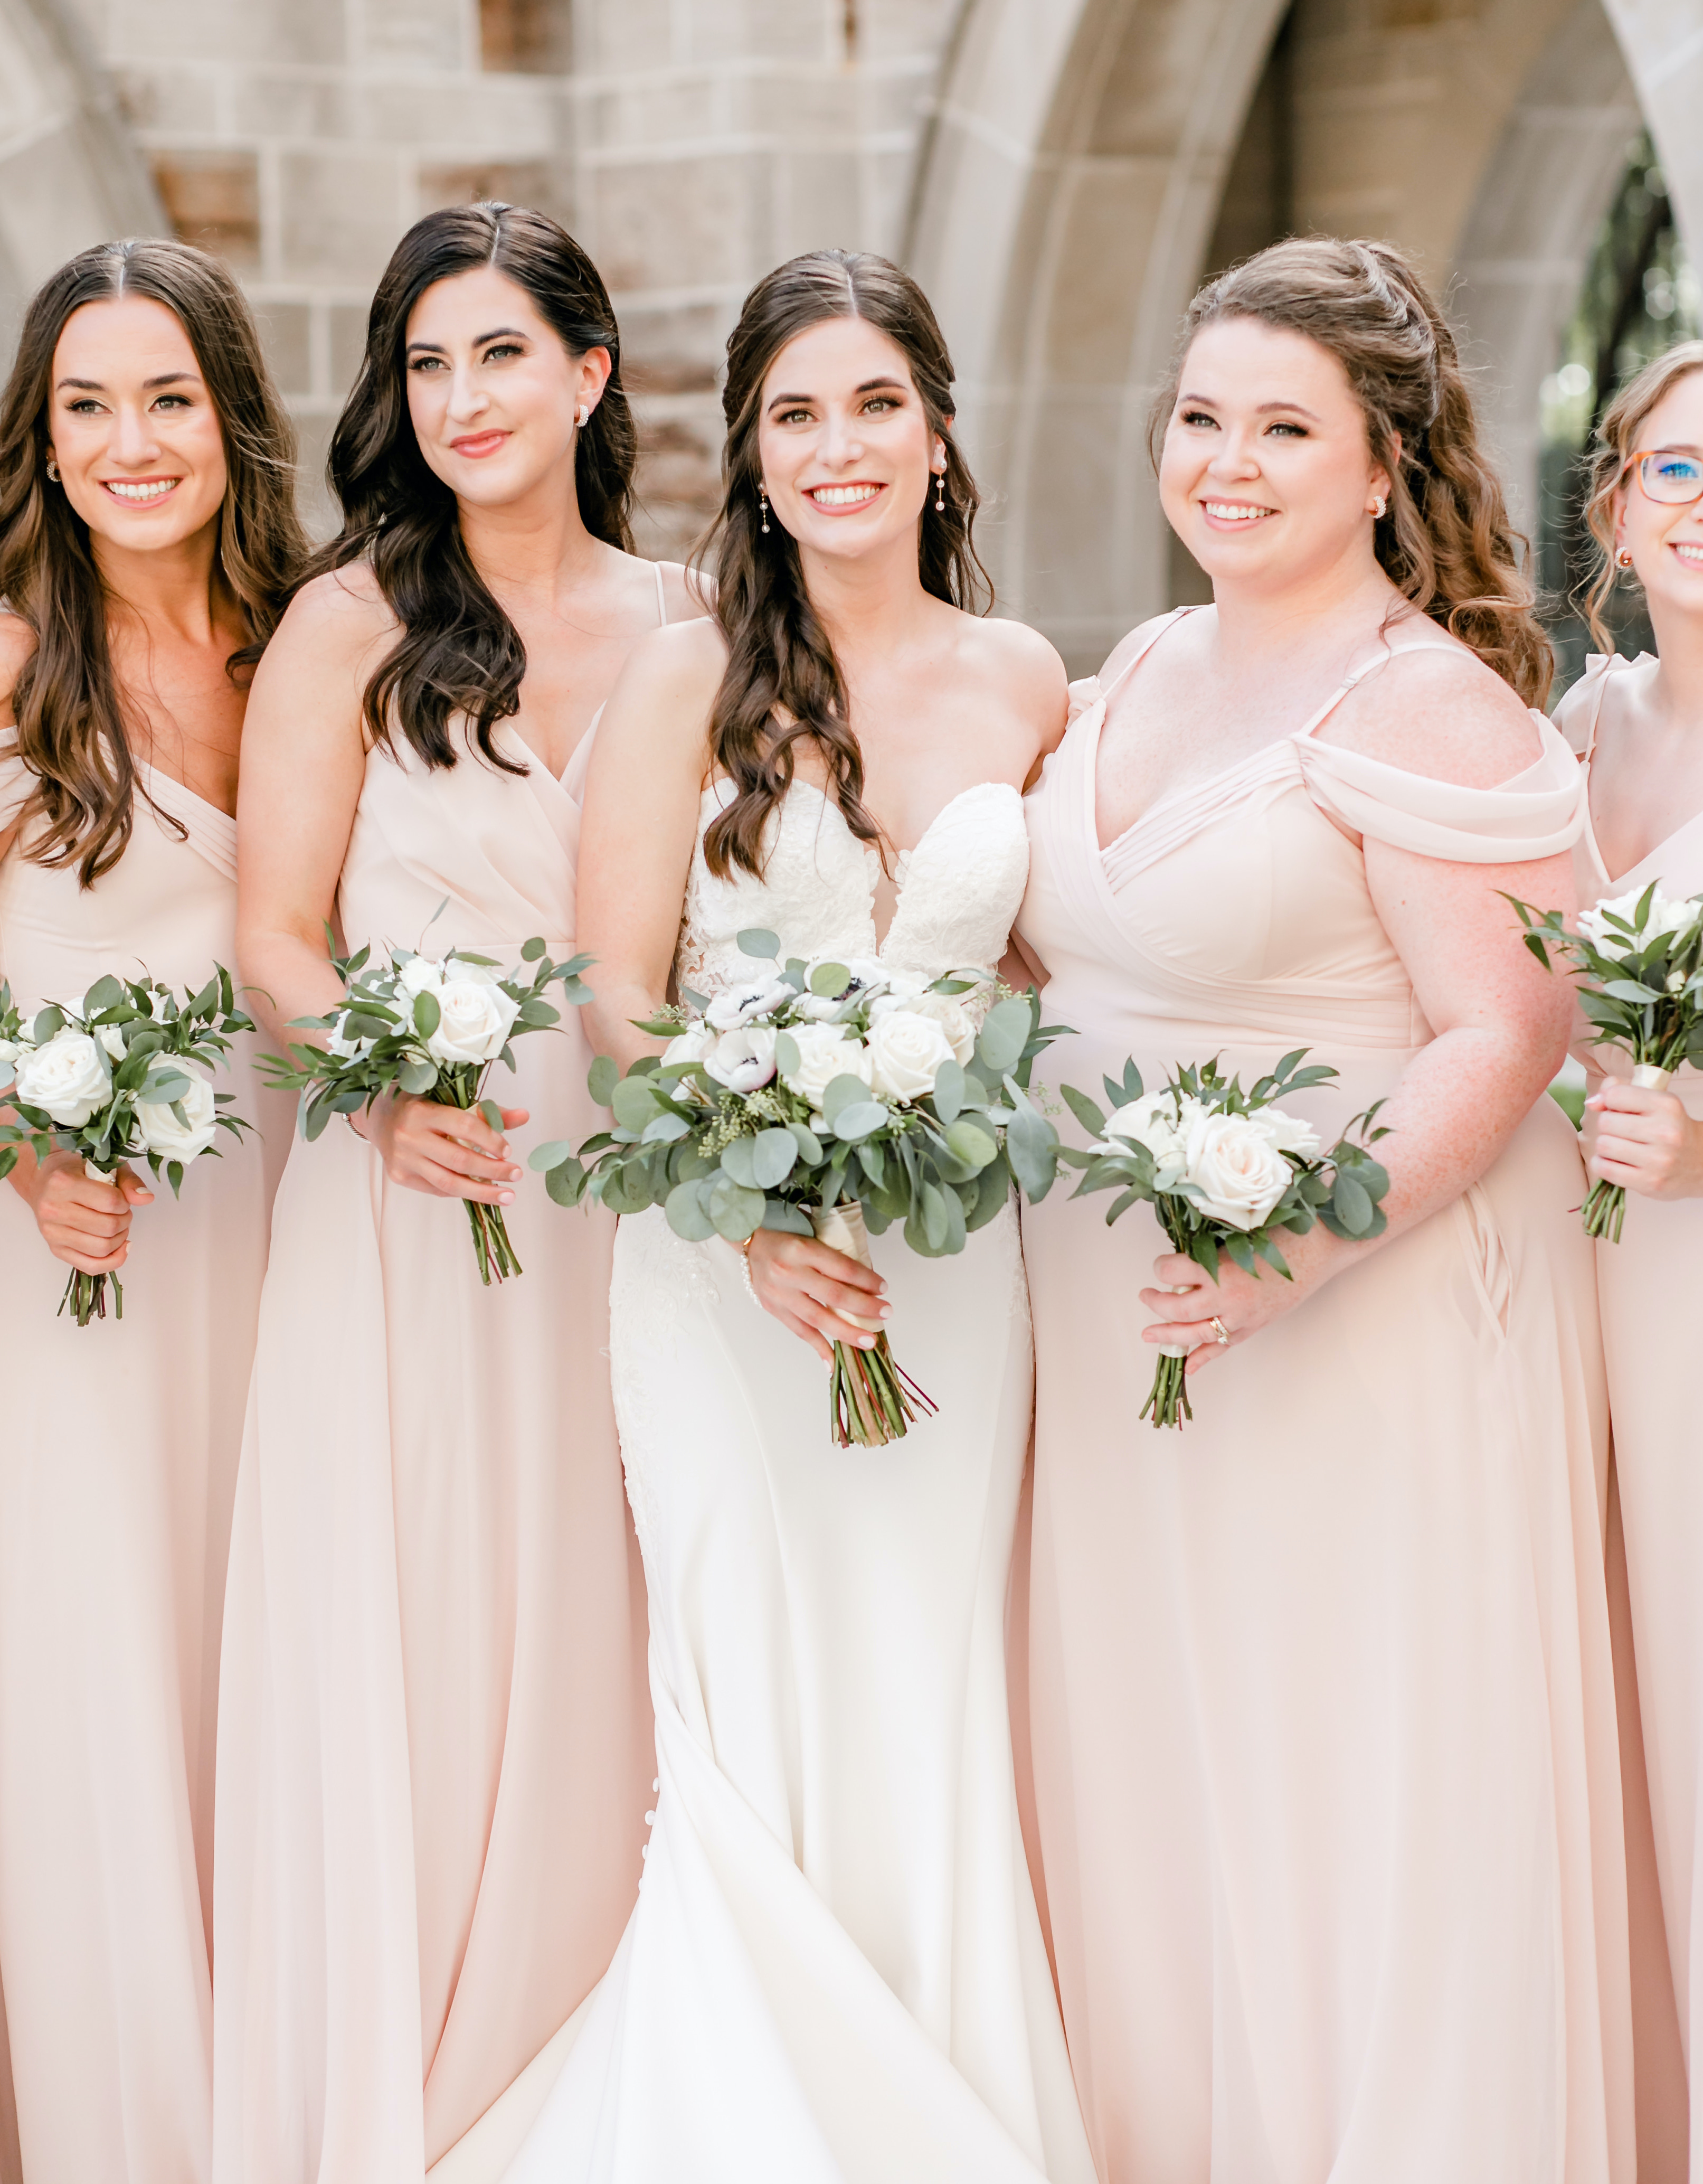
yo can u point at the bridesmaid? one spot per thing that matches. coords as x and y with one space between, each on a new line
1641 727
435 1748
1328 1809
147 538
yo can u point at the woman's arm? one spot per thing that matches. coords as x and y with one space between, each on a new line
1500 1020
304 760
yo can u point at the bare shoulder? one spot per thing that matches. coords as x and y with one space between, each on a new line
1435 709
1019 665
660 708
343 613
17 642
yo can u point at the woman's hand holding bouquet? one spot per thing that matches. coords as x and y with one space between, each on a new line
120 1075
1638 965
1227 1172
826 1099
430 1029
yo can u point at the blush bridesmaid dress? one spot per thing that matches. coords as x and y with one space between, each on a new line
1321 1700
435 1743
1646 1285
118 1463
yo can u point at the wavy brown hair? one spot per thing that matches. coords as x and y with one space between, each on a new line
1445 541
459 653
783 683
72 713
1615 443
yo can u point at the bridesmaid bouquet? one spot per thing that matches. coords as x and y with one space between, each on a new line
1225 1172
830 1100
1639 961
433 1026
120 1075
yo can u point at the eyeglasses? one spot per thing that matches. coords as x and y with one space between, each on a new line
1668 475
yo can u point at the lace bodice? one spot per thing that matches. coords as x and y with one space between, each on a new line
959 889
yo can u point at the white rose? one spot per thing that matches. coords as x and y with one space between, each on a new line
944 1009
1151 1121
1240 1172
736 1005
340 1044
474 1020
111 1037
1288 1132
161 1131
10 1051
694 1044
824 1051
743 1060
67 1076
420 975
906 1050
1664 916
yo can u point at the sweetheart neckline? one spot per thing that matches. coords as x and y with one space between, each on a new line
711 789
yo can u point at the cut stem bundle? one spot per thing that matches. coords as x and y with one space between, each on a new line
872 1399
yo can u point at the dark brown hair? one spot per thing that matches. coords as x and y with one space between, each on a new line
1617 443
1445 541
782 682
459 653
67 703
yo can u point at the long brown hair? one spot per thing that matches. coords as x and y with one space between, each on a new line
1444 541
67 703
459 653
1617 443
782 682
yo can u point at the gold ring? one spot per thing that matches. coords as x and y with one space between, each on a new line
1220 1332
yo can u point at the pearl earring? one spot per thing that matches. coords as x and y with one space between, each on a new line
53 470
1379 503
582 416
1623 559
939 492
763 501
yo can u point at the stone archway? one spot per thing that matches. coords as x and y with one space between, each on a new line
69 175
1067 199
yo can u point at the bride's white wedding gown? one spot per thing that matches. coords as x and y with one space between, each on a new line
835 1973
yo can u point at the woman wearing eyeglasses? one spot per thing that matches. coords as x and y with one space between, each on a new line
1640 725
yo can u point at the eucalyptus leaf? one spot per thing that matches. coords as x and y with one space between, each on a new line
602 1078
934 1218
542 1158
972 1143
949 1085
684 1208
1004 1034
1351 1203
634 1101
843 1092
858 1118
1088 1112
809 1143
737 1161
763 946
417 1077
736 1213
830 980
774 1156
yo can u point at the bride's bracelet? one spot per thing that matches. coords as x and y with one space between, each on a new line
744 1251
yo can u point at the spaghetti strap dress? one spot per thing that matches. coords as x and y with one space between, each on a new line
118 1464
435 1739
1322 1711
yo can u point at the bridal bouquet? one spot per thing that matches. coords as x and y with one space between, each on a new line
830 1100
1227 1172
120 1075
433 1026
1639 961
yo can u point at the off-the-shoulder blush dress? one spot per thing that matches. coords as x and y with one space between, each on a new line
1323 1725
435 1745
118 1462
1647 1284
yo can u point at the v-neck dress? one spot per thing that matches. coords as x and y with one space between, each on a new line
118 1462
1648 1286
1321 1693
435 1745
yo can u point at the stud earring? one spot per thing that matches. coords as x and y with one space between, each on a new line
53 470
1623 559
582 417
763 502
1379 504
939 492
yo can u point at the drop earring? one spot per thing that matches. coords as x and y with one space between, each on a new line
939 492
1623 559
763 503
53 470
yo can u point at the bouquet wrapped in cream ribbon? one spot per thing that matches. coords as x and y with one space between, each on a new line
831 1100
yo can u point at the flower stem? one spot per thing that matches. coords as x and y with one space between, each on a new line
1168 1400
1604 1211
86 1295
462 1088
872 1398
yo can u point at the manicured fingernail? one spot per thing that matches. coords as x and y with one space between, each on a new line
885 1312
865 1342
505 1198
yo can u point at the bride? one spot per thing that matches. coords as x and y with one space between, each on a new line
835 1973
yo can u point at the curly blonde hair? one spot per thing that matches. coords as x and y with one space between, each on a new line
1614 444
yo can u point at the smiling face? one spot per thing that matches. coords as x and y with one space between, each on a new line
493 389
1265 475
846 449
132 427
1666 539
